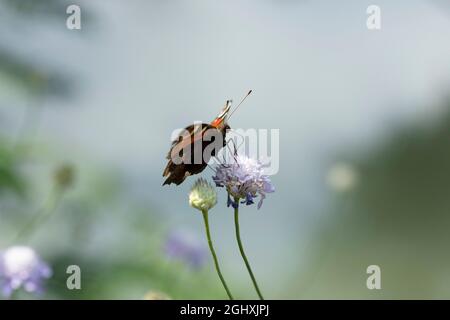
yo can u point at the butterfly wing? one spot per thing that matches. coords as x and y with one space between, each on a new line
189 138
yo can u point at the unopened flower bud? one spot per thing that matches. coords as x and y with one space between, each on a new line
64 176
203 195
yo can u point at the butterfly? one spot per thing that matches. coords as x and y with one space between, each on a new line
196 144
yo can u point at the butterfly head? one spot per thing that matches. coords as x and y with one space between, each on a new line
220 121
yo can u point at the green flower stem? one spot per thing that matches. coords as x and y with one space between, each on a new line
213 253
241 249
42 216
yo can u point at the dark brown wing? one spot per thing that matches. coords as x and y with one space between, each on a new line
177 173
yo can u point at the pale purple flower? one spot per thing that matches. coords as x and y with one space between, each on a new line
21 267
244 180
185 246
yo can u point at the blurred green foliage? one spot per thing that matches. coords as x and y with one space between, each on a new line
117 244
397 217
30 7
11 180
36 81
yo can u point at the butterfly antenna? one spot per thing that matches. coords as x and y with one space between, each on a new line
243 99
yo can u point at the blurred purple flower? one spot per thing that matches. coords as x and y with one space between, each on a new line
244 180
20 266
185 246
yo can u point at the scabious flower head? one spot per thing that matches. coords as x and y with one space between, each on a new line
20 266
243 179
185 246
203 196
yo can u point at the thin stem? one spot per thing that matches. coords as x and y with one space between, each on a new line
213 253
40 217
241 249
30 122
